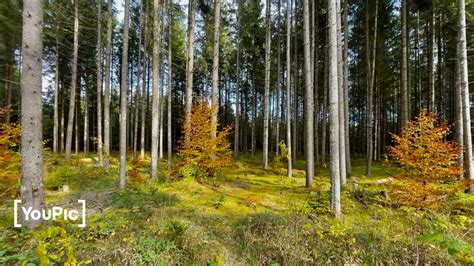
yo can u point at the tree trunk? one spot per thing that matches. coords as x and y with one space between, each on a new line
404 74
156 89
324 119
99 87
340 76
345 85
315 71
278 97
215 68
431 65
108 51
56 94
170 84
86 124
124 100
237 88
32 190
266 97
288 87
308 101
143 99
334 109
190 59
72 99
464 84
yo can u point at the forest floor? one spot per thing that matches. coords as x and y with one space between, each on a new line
246 215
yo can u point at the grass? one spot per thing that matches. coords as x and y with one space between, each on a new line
246 215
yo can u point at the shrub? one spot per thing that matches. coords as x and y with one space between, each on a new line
427 160
9 159
201 154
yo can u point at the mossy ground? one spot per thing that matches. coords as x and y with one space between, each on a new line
245 215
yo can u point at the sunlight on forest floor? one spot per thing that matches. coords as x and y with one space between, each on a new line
246 215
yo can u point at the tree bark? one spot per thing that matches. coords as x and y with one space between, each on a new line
156 89
72 99
334 109
124 99
308 101
404 74
56 94
108 51
143 99
278 97
266 97
345 85
215 68
99 87
288 87
464 84
340 76
190 59
431 65
170 83
237 88
32 190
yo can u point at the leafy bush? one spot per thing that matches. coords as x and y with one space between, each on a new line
427 159
9 159
201 154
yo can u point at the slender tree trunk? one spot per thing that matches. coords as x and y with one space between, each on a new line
61 121
325 104
288 87
86 124
170 83
56 94
334 109
215 68
32 190
8 91
431 65
404 74
156 89
162 100
345 85
340 76
464 84
315 71
459 131
237 88
143 98
123 99
190 59
308 101
108 51
76 121
72 92
99 86
266 97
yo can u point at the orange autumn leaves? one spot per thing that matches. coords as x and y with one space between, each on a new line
428 161
198 149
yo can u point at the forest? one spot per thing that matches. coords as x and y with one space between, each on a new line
236 132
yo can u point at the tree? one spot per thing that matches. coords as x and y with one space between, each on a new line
404 72
123 99
99 85
288 87
108 50
340 76
215 67
308 101
72 93
266 97
56 94
237 87
345 59
190 58
334 109
144 88
32 190
170 82
464 84
155 109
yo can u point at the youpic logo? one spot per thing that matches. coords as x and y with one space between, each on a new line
51 214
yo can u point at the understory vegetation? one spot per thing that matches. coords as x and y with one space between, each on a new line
248 216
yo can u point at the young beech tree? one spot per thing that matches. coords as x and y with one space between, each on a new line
32 190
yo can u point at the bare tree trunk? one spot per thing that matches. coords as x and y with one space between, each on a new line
288 87
431 65
345 85
459 130
76 121
308 101
334 109
370 87
324 119
72 99
237 89
190 59
124 100
143 101
86 124
215 68
99 86
108 50
278 97
156 89
404 74
266 97
170 83
162 101
8 91
464 84
32 190
340 76
315 71
56 94
61 121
